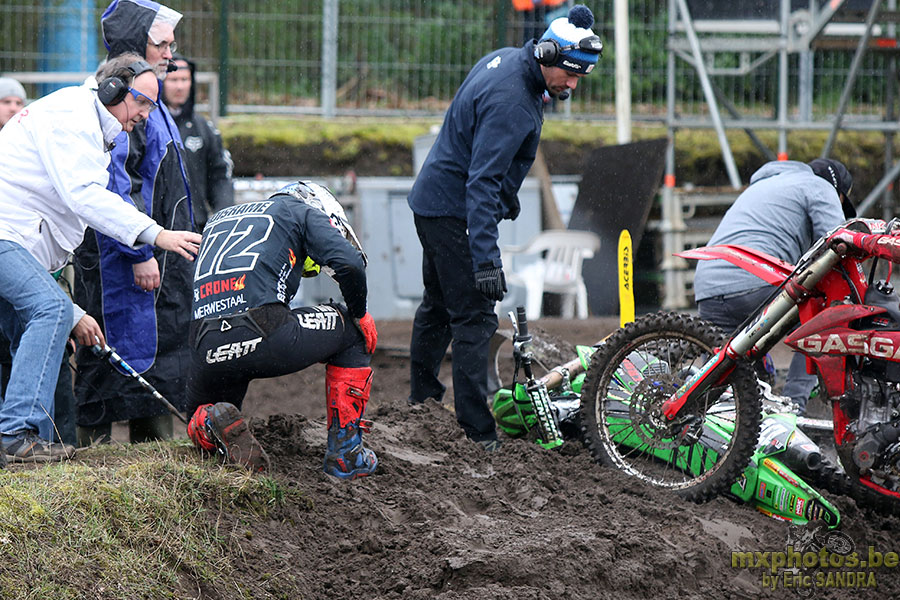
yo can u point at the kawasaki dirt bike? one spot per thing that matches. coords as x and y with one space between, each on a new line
702 386
548 409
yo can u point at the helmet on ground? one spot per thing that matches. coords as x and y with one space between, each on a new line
318 197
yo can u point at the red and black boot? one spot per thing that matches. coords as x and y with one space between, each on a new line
221 427
347 392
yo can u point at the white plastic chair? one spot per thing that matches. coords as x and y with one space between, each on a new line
558 271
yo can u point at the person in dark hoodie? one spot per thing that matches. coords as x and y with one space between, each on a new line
208 163
787 206
141 298
468 183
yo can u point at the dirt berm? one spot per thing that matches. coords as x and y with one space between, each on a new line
442 519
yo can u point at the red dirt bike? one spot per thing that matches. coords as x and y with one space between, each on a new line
848 326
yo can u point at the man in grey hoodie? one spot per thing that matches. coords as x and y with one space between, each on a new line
787 206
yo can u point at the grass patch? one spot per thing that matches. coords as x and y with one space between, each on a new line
138 521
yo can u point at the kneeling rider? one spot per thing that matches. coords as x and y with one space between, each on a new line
248 270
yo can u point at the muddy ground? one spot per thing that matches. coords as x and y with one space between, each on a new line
443 519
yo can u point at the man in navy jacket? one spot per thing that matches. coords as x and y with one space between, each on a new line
468 183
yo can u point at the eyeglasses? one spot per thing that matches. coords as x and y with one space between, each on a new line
143 101
163 46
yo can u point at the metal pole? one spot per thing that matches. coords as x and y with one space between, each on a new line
329 57
890 176
502 15
733 111
672 223
223 58
623 73
851 77
806 59
887 204
708 93
783 81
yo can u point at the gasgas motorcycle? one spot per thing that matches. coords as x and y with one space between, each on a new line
702 384
786 464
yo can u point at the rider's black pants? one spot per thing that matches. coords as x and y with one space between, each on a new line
269 341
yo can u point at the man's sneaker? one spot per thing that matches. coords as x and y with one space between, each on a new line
31 448
490 445
233 437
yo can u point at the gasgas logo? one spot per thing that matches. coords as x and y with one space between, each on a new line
213 288
850 343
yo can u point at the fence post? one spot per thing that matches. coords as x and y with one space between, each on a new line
500 29
329 57
223 59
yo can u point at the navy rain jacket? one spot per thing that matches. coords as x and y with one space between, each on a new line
485 148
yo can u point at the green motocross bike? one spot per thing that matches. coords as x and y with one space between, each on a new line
774 482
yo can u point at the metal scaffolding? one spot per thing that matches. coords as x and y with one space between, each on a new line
862 27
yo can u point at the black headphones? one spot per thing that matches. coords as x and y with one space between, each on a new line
547 51
112 90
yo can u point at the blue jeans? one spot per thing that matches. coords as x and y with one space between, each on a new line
730 310
36 316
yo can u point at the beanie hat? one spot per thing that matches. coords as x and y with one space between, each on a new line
569 31
11 87
835 173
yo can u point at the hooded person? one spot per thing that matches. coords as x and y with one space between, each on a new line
12 99
140 297
208 163
785 209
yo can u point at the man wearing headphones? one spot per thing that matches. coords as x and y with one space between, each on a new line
53 180
468 183
141 298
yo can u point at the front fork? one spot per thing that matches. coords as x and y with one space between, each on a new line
757 338
551 437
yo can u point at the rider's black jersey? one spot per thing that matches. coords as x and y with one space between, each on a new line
253 254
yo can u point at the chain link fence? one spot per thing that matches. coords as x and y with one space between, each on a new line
403 57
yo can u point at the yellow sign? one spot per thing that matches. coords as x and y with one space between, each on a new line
626 281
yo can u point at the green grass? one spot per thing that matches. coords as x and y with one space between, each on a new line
141 521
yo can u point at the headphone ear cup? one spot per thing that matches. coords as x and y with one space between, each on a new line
111 91
547 52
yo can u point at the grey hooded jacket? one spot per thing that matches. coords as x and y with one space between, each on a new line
784 210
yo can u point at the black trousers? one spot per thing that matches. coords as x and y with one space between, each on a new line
272 340
452 311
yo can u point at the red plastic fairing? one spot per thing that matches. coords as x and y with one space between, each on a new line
768 268
842 432
826 340
830 318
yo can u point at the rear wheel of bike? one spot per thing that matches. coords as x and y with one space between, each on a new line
707 447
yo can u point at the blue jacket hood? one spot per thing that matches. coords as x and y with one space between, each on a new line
125 25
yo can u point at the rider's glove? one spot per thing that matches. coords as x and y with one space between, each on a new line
491 283
868 244
366 326
854 240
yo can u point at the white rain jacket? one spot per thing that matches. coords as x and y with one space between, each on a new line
53 177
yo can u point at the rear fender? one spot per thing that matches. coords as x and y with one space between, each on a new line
768 268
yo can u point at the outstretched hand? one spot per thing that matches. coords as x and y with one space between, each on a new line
185 243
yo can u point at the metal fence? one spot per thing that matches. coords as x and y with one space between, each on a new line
406 56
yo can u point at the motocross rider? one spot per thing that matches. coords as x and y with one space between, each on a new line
249 268
787 206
